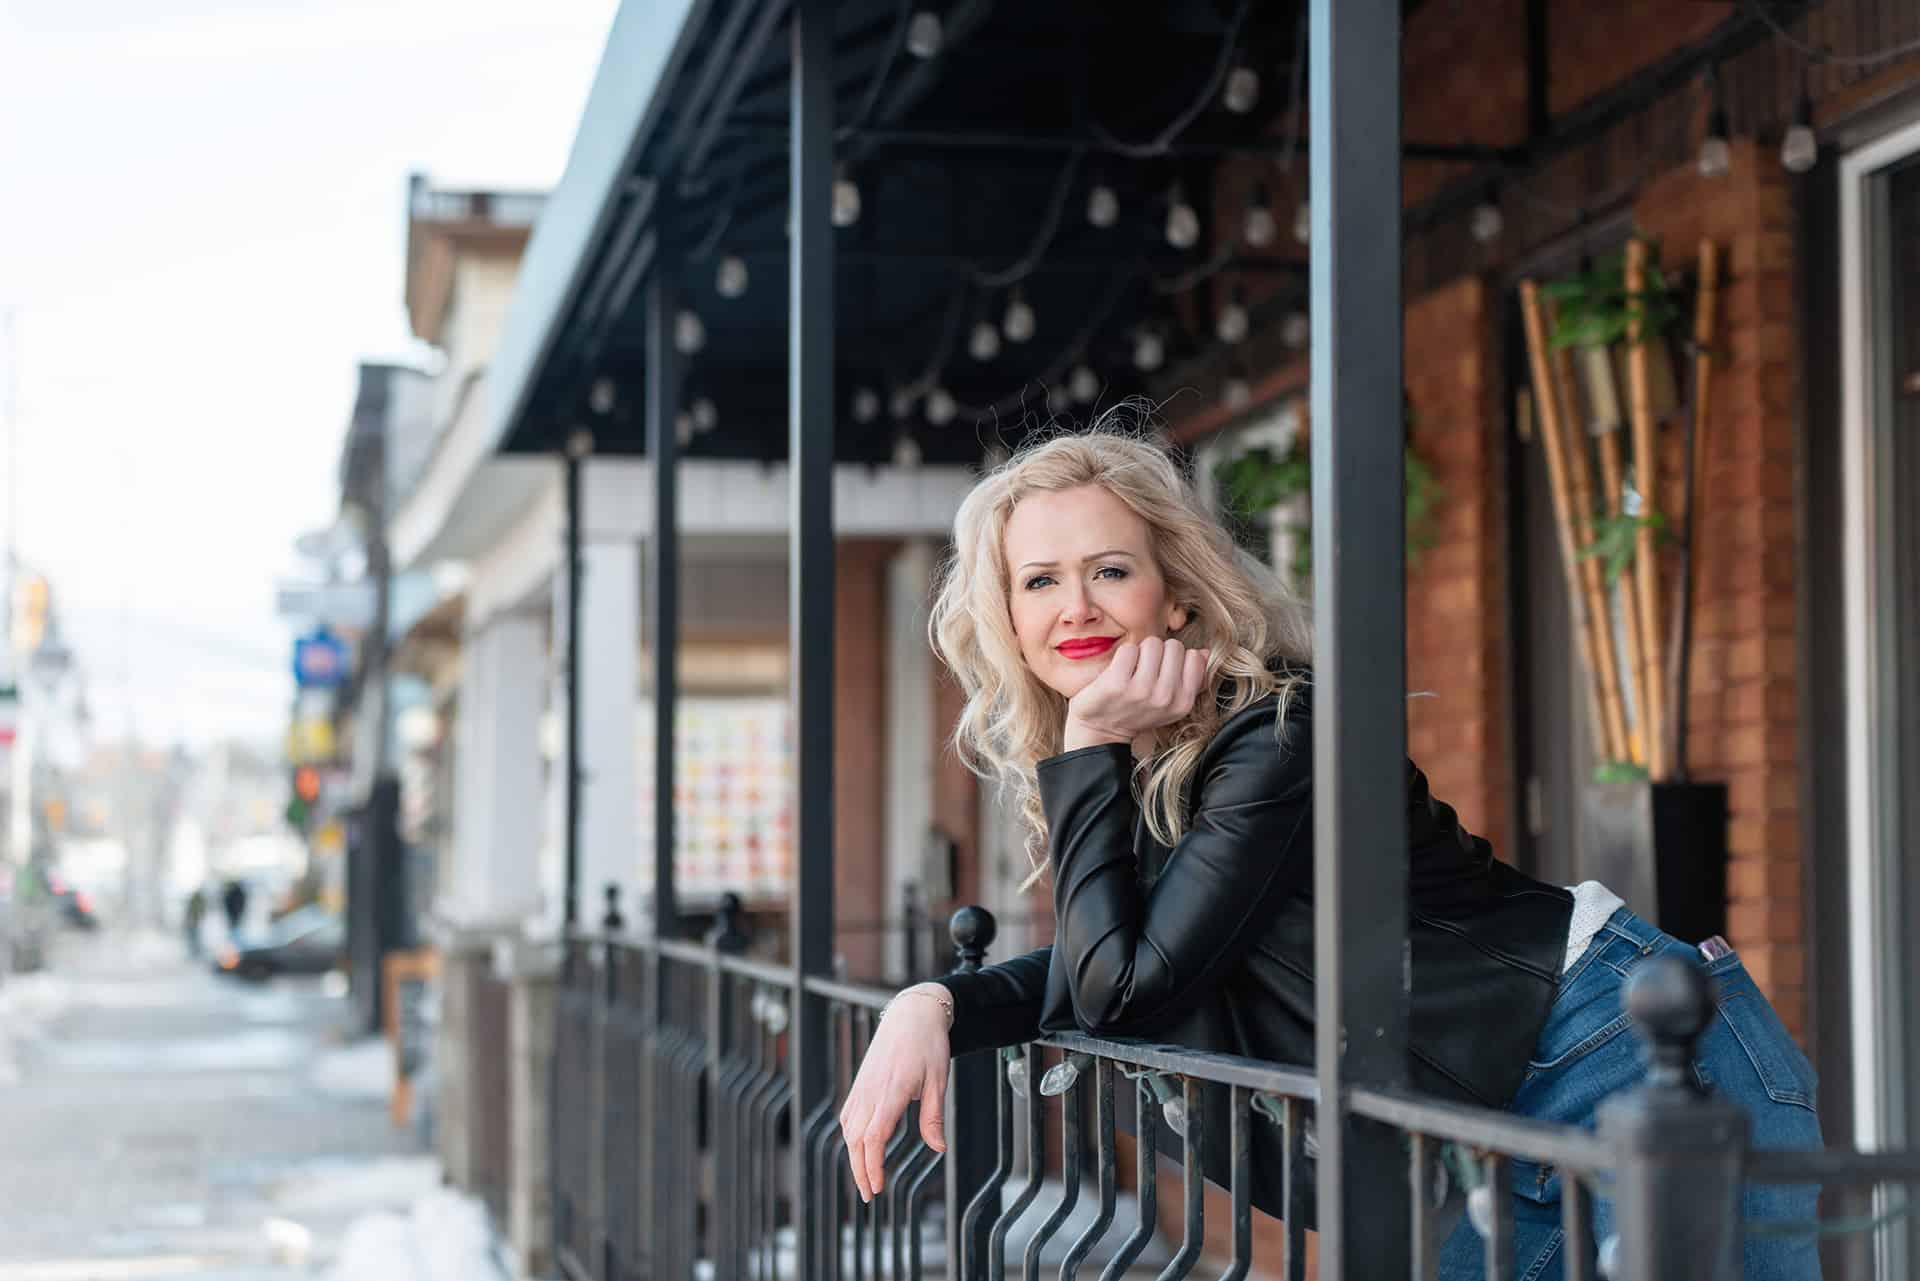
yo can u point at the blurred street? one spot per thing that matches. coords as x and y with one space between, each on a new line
161 1121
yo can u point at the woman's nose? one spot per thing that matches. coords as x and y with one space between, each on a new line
1077 605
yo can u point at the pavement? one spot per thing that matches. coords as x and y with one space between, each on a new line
160 1121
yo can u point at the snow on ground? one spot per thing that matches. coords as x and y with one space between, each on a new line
362 1070
444 1237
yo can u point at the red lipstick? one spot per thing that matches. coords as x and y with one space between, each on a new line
1086 646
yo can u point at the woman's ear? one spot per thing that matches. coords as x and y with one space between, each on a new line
1177 617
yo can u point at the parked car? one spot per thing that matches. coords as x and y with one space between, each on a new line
73 905
311 940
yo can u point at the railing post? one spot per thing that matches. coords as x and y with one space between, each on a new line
725 938
606 990
970 1101
912 927
1678 1150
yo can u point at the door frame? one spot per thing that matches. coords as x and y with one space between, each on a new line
1878 1034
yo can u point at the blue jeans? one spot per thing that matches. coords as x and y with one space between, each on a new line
1589 1050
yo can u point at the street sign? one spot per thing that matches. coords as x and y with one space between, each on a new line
329 604
319 660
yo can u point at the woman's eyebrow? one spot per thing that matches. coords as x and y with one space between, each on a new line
1049 564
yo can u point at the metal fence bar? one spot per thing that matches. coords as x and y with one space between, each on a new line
1498 1173
1576 1227
1193 1182
663 566
810 408
1036 1173
1420 1159
1359 735
1069 1173
1106 1162
1293 1162
1146 1184
1241 1137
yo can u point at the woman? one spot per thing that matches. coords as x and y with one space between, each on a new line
1143 689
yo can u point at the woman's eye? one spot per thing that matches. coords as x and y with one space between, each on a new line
1115 570
1037 580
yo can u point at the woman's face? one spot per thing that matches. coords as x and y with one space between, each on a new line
1082 579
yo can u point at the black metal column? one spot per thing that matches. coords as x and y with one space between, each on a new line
578 446
663 578
1359 540
810 551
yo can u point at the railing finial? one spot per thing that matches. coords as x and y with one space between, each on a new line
972 930
727 934
1671 1001
612 922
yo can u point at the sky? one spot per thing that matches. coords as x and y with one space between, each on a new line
202 230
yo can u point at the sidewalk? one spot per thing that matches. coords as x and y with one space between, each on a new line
163 1122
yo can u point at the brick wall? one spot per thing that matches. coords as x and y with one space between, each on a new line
859 773
1743 686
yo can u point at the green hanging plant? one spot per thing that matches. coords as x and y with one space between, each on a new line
1595 308
1260 478
1615 539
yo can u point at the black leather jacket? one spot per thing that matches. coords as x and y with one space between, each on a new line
1209 945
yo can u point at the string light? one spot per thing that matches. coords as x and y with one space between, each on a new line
984 342
1236 393
1296 331
941 407
600 396
1258 228
1183 224
1149 350
683 427
906 451
1242 91
1303 223
1487 222
1716 156
1103 206
899 402
1058 399
730 279
1799 150
706 414
1230 326
1020 322
689 332
1083 384
925 35
866 405
846 199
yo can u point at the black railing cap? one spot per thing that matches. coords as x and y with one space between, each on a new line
612 921
972 930
1671 1000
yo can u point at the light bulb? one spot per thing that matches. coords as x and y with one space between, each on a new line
1258 228
706 414
1242 91
1296 331
1058 399
1175 1112
689 332
941 407
1303 223
1083 384
984 342
776 1015
1799 149
1236 392
1607 1260
600 396
906 451
1716 158
1230 326
1020 321
1149 351
925 35
1487 222
1060 1077
1183 224
1103 207
1480 1210
846 200
1016 1068
866 405
900 402
683 427
730 279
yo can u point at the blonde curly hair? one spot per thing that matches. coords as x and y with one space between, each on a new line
1259 635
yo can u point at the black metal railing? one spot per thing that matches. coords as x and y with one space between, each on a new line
674 1142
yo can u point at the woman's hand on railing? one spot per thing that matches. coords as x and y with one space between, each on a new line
906 1060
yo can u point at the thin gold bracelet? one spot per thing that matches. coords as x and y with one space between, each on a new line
941 998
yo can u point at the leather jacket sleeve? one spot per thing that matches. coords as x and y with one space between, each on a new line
998 1004
1134 957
